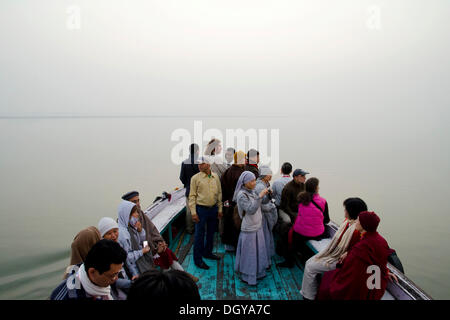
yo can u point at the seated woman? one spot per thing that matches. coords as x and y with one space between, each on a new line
132 236
310 222
80 247
350 282
268 210
109 229
251 254
344 239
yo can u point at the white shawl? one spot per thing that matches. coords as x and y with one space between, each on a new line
92 289
335 250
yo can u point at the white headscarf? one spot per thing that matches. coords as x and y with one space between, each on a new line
264 171
105 224
244 178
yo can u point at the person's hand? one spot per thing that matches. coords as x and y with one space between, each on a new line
392 277
342 258
195 218
161 247
263 193
135 277
220 214
138 226
145 249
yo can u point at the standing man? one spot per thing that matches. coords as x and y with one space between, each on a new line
280 183
189 168
229 156
205 203
252 162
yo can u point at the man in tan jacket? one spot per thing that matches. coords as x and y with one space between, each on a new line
205 203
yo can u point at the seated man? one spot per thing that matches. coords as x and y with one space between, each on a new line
288 209
93 279
289 196
157 285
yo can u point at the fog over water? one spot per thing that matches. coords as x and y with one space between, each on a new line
358 91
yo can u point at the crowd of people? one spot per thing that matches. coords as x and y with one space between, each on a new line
127 258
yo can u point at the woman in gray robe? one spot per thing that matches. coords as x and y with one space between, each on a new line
268 210
251 253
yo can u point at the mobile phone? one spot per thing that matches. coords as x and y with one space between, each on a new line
145 243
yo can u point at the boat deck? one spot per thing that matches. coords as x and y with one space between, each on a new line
220 281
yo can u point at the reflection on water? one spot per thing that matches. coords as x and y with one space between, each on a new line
62 175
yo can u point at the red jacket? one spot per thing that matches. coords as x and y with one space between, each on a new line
350 281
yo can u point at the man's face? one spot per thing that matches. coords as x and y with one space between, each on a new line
300 179
203 167
136 201
107 278
229 156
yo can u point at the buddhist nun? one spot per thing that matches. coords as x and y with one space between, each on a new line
367 259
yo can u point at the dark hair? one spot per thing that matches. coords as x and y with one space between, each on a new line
103 254
156 284
306 196
354 207
133 210
286 168
193 148
211 147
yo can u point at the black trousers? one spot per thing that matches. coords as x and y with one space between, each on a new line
299 245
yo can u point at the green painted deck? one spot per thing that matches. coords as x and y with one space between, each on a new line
221 283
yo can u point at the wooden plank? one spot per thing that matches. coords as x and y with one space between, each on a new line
278 283
271 288
288 281
228 290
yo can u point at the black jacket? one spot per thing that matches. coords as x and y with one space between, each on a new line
189 167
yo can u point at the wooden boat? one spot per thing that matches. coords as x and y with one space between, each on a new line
220 282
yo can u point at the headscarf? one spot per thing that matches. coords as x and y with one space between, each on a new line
106 224
244 178
239 157
82 243
264 171
369 221
124 210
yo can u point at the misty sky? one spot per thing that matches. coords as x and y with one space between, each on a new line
210 58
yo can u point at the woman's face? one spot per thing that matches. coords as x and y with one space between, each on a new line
134 215
268 178
112 234
346 213
358 226
251 184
